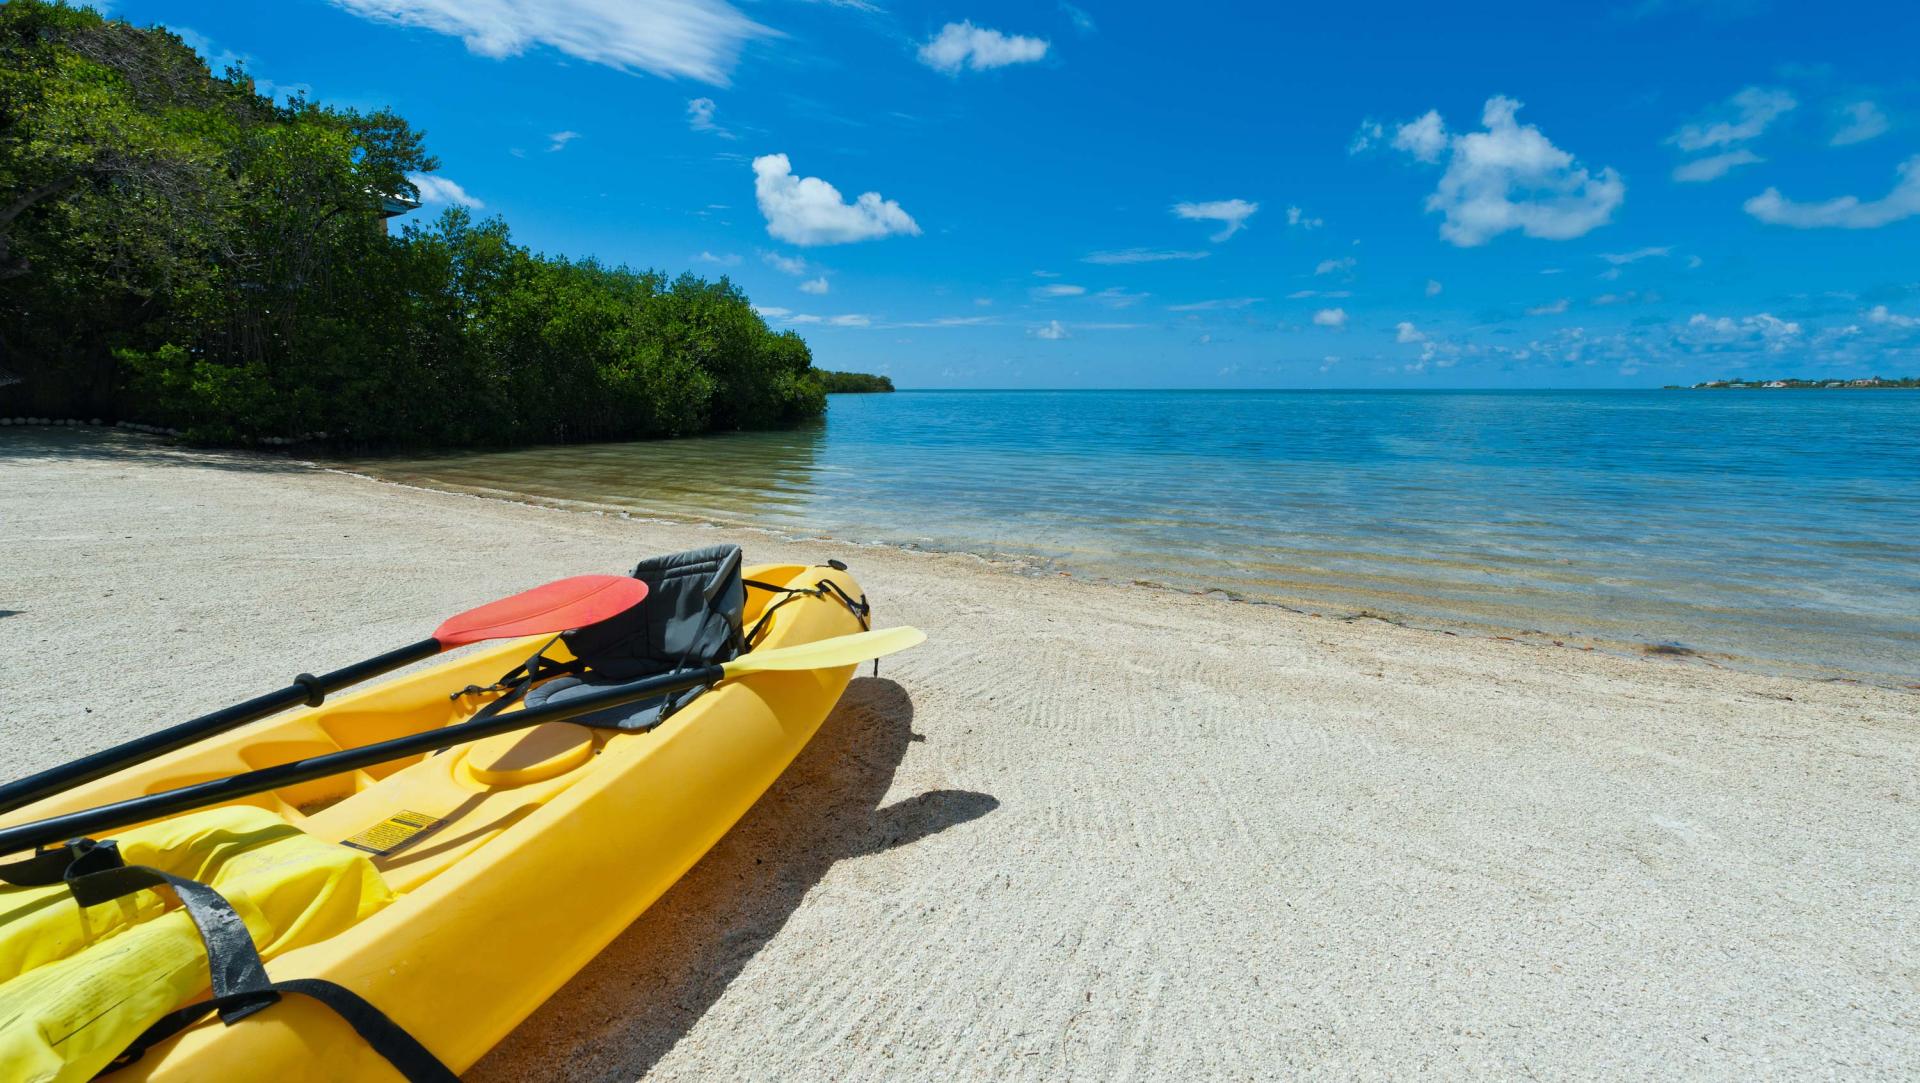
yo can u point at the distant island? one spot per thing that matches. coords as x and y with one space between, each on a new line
853 383
1909 382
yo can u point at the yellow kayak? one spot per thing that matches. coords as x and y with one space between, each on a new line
497 869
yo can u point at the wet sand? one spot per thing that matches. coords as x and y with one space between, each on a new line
1087 831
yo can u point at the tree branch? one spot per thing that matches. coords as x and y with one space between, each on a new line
46 191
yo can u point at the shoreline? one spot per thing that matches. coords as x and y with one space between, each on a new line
1018 565
1088 830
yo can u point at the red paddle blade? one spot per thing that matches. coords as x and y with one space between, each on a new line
560 605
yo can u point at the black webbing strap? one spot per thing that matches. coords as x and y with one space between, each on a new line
415 1062
860 609
95 873
517 682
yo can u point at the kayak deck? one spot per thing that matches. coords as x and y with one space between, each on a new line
514 859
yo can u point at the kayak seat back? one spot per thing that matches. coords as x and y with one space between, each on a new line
693 617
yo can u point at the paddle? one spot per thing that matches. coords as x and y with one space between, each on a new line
845 650
556 607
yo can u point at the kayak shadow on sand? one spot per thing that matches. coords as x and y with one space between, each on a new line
635 1001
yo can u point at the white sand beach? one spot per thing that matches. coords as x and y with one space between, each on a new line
1087 831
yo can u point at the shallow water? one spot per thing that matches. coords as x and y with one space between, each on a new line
1779 528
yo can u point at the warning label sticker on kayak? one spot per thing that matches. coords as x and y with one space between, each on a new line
396 832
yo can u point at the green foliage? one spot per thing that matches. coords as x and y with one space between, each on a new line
848 383
176 248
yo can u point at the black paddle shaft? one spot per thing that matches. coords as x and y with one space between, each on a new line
154 806
306 689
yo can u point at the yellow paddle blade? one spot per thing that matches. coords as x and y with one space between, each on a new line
828 653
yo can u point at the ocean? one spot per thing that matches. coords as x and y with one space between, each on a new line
1776 530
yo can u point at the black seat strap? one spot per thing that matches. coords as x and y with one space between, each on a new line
517 681
96 873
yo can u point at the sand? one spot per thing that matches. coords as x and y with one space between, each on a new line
1088 831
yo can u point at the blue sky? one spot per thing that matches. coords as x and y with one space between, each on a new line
995 194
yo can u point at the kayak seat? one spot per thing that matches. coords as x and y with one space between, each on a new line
691 617
638 717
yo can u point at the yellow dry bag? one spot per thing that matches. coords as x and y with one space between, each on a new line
79 983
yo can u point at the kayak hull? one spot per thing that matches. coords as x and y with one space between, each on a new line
534 856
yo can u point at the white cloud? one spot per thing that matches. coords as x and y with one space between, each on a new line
698 39
1553 308
1298 217
1213 305
1298 294
964 45
1635 256
1082 21
787 315
1424 138
1744 116
1764 323
728 260
1509 177
218 59
809 211
947 321
1434 287
1053 331
1330 317
1059 289
1115 297
1407 332
1846 212
1861 121
1764 329
700 113
1334 266
786 265
279 91
814 286
1880 314
1369 135
1231 213
1714 166
442 190
560 140
1141 255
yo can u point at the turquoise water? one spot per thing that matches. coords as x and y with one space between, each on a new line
1774 528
